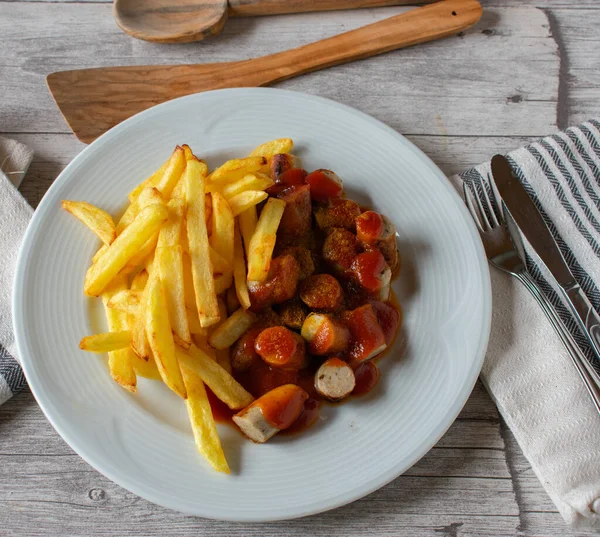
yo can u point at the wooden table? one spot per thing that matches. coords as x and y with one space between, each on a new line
526 70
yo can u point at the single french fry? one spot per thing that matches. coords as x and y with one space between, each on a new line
138 283
247 221
239 271
124 248
243 201
194 323
252 181
237 168
99 221
160 337
172 172
202 271
231 329
222 355
201 341
139 337
223 223
223 385
147 369
274 147
149 182
100 251
219 263
170 265
170 233
223 282
127 301
106 342
119 361
263 240
202 421
147 196
187 151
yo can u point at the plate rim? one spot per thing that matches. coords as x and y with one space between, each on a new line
44 401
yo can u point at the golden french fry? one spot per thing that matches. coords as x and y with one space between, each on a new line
109 341
223 385
219 263
100 251
274 147
147 196
139 337
223 223
239 271
119 361
202 272
142 256
252 181
170 233
187 151
172 173
263 240
99 221
127 301
248 220
233 303
243 201
143 368
170 265
223 282
222 355
202 421
231 329
237 168
160 337
139 280
124 248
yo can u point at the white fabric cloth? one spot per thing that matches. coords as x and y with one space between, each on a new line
15 214
527 370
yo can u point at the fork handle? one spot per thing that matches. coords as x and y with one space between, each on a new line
587 373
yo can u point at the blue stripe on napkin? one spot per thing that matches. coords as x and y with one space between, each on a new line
12 374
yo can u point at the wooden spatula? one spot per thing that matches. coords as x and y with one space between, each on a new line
179 21
94 100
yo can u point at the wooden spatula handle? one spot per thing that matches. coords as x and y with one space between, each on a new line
252 8
416 26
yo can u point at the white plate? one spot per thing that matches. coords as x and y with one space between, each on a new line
143 442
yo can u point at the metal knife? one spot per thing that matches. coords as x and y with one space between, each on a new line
525 214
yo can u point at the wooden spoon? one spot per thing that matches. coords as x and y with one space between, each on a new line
179 21
94 100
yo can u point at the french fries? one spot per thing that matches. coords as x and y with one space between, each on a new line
263 240
268 149
99 221
160 337
224 386
239 271
202 421
231 329
168 272
202 271
124 247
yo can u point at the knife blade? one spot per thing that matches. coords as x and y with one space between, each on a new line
521 209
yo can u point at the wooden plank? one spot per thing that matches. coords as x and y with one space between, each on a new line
445 87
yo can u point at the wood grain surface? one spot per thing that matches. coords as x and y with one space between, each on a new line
527 69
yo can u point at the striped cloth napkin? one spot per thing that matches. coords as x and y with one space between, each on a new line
527 370
15 214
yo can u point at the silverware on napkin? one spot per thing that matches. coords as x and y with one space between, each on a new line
504 249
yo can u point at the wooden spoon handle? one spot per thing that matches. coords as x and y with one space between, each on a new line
416 26
252 8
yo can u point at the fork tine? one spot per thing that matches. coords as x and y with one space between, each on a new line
490 205
496 198
471 207
485 222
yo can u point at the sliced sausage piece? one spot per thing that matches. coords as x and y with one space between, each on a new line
372 273
334 380
339 249
271 413
292 177
293 312
281 348
389 318
368 339
387 244
369 227
324 185
282 162
322 292
367 376
297 216
325 334
304 258
338 213
280 285
243 355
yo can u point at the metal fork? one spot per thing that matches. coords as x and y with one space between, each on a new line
508 257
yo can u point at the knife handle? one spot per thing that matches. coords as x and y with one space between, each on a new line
588 319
